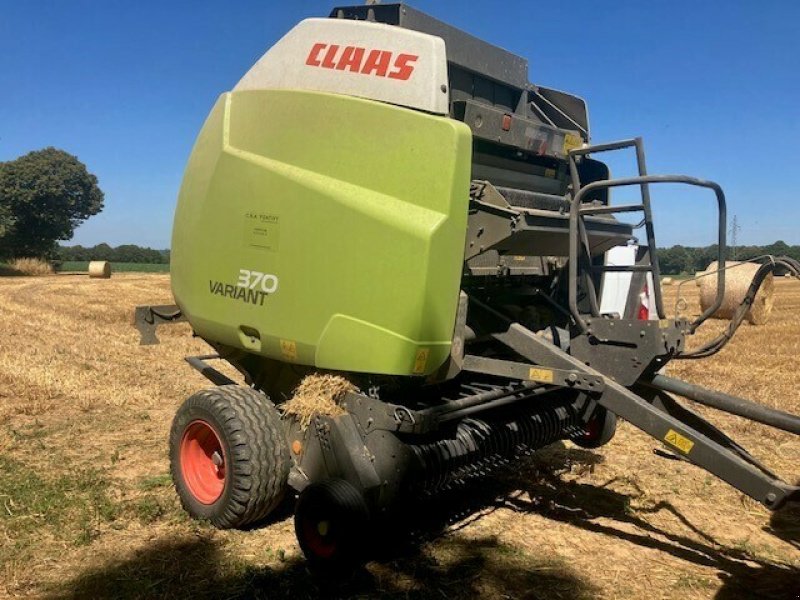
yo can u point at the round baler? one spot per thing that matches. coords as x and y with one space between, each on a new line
408 252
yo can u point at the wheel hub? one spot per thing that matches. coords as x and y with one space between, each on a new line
203 462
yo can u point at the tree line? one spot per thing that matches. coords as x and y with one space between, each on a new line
684 259
127 253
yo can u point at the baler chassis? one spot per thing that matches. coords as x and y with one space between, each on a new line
462 290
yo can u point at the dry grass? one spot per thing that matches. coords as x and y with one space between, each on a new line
33 267
87 510
317 395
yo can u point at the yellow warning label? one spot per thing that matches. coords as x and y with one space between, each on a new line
571 141
421 361
684 444
289 349
551 173
543 375
520 258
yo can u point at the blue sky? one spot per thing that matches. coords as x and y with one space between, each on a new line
713 87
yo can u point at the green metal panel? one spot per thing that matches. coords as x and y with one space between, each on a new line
355 211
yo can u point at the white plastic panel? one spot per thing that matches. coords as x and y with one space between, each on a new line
614 295
616 286
356 58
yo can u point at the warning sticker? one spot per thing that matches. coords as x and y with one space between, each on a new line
572 141
421 361
543 375
682 443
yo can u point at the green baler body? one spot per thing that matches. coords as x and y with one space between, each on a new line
350 213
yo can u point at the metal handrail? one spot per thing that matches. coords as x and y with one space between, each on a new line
638 145
574 219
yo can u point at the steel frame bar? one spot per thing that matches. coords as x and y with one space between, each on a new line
695 441
728 403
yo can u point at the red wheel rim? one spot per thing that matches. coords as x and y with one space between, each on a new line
593 429
202 462
318 538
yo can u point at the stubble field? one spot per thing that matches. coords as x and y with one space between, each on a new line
87 509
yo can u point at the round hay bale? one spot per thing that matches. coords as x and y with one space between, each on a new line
667 281
738 277
99 269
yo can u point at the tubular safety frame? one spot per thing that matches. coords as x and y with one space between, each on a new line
577 231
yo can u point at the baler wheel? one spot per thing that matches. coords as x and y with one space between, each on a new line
330 521
598 431
229 456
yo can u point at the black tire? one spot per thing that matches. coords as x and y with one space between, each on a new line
254 455
598 431
341 508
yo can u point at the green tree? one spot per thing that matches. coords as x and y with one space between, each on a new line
102 251
676 259
6 218
49 193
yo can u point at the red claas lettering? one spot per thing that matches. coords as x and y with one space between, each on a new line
364 61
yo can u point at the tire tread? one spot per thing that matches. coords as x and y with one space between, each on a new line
259 461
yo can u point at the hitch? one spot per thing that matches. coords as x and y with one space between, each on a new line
147 319
657 414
